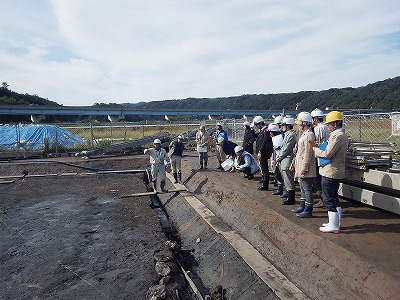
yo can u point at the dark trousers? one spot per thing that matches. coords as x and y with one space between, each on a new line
278 175
265 170
330 189
317 181
246 170
203 156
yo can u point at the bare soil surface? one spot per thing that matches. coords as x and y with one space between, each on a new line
73 237
361 262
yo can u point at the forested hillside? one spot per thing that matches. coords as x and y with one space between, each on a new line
379 95
8 97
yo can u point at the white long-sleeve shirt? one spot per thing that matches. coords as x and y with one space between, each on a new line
156 156
321 133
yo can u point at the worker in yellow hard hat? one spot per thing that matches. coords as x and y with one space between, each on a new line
332 168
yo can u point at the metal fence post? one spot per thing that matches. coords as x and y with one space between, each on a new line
91 136
56 139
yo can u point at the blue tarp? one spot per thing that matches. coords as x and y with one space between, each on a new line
34 136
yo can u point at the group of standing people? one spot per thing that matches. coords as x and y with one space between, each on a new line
315 157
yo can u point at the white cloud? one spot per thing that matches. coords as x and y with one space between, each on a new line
79 52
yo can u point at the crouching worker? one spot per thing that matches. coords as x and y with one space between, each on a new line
246 163
157 158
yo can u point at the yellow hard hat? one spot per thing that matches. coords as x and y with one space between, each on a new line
333 116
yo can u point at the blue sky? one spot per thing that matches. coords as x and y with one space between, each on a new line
78 52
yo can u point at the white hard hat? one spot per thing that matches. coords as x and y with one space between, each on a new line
220 124
157 141
258 119
278 119
304 117
273 127
238 149
180 136
246 123
288 120
317 113
220 139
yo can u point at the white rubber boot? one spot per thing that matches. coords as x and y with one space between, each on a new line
339 209
333 225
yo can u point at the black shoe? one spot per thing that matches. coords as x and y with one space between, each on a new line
291 198
277 193
285 194
263 188
245 175
288 202
250 177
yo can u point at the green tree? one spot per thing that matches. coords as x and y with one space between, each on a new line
4 85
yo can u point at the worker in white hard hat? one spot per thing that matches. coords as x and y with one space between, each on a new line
321 136
285 158
220 132
305 165
157 161
245 163
277 136
278 120
202 142
332 168
249 138
264 150
175 155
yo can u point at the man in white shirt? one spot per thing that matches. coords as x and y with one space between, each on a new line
157 158
321 136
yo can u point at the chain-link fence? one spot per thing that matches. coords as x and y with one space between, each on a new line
374 128
73 137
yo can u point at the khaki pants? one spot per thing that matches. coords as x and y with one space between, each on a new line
288 179
220 153
176 164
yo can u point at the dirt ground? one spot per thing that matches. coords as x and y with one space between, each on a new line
73 237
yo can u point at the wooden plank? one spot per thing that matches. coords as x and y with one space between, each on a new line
139 194
152 193
371 198
277 281
375 177
6 181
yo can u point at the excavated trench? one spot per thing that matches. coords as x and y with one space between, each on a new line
68 234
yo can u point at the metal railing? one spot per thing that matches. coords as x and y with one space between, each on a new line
374 128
